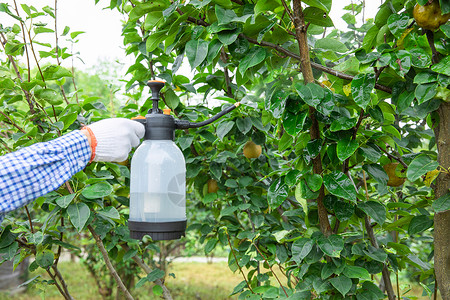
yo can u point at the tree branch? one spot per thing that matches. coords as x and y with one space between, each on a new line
113 271
146 268
314 132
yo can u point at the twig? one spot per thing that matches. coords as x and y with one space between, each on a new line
288 10
365 185
373 241
270 267
61 279
146 268
394 157
430 39
29 219
113 271
57 285
291 54
223 56
237 263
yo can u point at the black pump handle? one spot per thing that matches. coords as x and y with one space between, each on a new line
155 86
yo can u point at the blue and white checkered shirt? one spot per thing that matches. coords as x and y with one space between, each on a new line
36 170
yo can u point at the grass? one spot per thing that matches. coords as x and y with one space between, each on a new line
199 281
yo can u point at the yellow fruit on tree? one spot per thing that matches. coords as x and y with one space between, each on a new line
430 15
251 150
212 186
394 180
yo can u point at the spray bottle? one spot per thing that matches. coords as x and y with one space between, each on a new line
158 174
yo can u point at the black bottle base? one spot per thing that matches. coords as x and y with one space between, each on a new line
158 231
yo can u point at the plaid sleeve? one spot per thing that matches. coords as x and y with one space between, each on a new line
34 171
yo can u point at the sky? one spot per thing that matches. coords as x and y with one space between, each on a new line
102 39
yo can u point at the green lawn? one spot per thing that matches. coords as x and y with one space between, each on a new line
199 281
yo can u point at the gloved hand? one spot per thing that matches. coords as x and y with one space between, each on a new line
112 139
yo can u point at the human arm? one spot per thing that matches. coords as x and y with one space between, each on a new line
34 171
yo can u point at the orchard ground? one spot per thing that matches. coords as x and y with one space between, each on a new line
195 279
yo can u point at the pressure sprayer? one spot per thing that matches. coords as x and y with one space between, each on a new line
158 174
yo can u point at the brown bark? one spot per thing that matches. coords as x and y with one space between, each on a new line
300 33
442 219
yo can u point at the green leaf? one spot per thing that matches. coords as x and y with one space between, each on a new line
157 290
443 66
419 224
299 197
314 181
376 254
293 124
332 245
331 44
277 193
356 272
397 24
285 142
362 86
317 17
224 128
155 274
224 16
54 72
74 34
338 184
45 258
375 210
343 209
244 124
370 153
210 245
254 56
369 291
196 52
226 37
343 123
79 214
49 95
64 201
109 213
324 5
311 93
185 141
342 283
313 147
420 58
172 99
425 92
399 248
301 248
42 29
441 204
345 148
377 172
98 190
404 100
420 166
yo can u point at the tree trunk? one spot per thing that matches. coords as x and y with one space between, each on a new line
305 63
442 219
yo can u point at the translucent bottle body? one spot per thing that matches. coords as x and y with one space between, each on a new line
158 183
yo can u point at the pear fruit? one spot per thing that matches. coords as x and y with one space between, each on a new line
212 186
251 150
394 180
430 15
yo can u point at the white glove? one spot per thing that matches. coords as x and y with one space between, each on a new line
114 138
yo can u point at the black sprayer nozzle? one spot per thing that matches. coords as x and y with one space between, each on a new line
155 86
